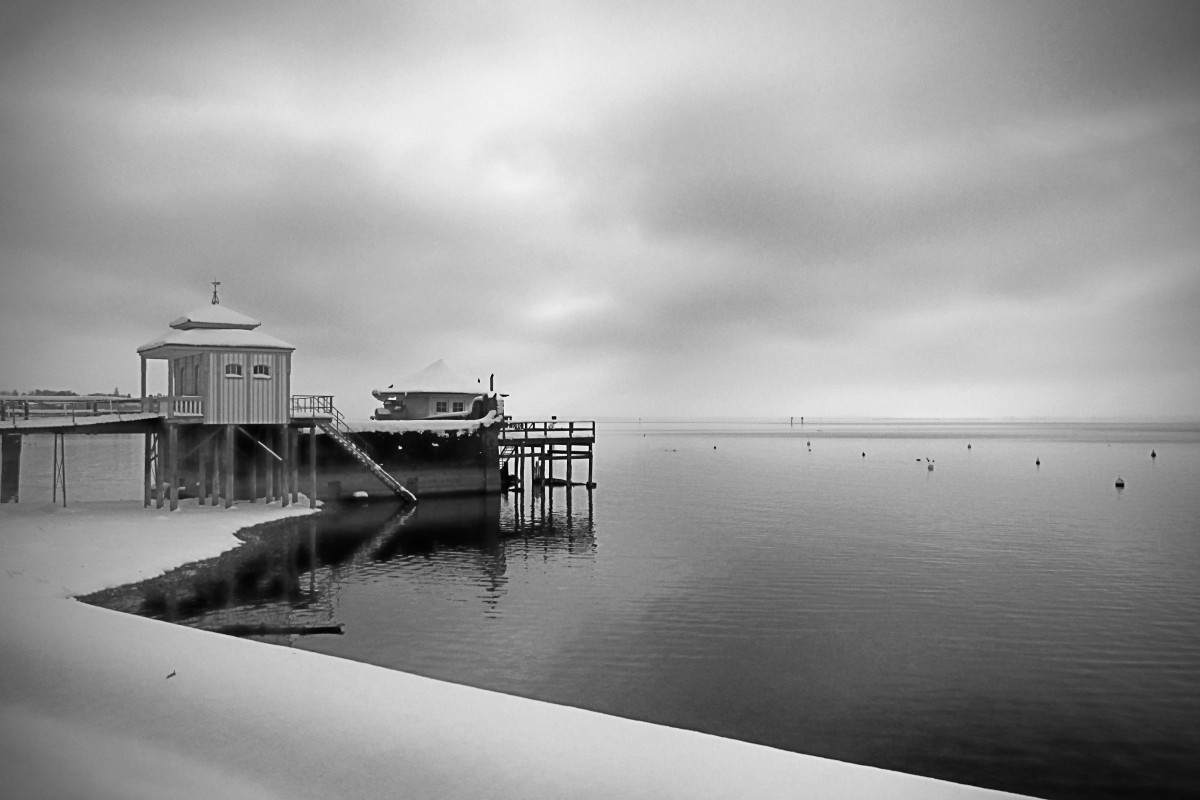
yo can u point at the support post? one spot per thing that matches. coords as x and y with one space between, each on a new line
294 436
202 456
285 468
10 468
570 448
312 466
149 454
172 464
158 469
230 446
214 485
252 466
269 466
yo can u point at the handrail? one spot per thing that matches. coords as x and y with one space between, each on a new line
95 406
550 428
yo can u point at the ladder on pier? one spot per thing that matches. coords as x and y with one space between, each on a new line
332 428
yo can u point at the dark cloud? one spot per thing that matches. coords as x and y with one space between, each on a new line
604 203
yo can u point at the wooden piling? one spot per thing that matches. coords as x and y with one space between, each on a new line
284 472
172 464
229 465
312 466
10 467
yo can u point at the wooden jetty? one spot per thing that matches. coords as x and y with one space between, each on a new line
229 429
529 450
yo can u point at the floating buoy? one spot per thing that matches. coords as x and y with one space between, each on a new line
1120 483
1037 463
1153 454
968 445
930 467
864 455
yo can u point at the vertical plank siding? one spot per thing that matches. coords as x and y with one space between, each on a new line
248 400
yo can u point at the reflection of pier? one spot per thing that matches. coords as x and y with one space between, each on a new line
529 449
285 580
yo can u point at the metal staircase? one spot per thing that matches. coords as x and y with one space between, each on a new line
337 429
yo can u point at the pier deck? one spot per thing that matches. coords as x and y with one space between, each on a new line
544 442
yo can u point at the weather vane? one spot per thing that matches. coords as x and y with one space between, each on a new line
215 301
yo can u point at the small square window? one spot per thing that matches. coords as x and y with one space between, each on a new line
262 370
457 406
441 407
233 370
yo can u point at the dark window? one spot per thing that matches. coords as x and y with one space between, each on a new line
262 370
233 370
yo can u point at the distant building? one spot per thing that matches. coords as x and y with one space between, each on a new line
223 370
436 391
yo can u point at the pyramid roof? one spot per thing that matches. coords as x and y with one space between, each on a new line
437 377
208 327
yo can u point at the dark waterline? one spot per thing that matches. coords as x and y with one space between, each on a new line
994 622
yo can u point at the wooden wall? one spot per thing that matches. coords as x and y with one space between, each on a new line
248 400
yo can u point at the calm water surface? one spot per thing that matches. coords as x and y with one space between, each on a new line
992 621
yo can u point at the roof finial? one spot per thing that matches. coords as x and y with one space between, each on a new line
215 300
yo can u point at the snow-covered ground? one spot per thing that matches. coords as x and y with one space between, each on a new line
99 704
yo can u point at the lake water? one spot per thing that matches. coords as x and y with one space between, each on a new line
992 621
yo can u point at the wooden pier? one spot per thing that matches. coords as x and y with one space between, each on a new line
529 450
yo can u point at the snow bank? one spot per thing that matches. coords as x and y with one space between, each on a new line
99 704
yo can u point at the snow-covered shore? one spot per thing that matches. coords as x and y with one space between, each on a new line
87 708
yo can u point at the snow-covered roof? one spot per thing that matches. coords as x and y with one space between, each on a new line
437 377
436 425
211 326
215 316
213 337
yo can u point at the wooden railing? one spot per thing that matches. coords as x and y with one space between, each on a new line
314 405
73 406
552 430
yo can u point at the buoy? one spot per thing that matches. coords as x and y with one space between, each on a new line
1037 463
930 467
1153 454
1120 483
968 445
864 455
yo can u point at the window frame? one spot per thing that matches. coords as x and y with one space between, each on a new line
234 370
265 373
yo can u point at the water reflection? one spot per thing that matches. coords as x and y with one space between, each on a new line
284 581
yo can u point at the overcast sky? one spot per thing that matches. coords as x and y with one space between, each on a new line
650 209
